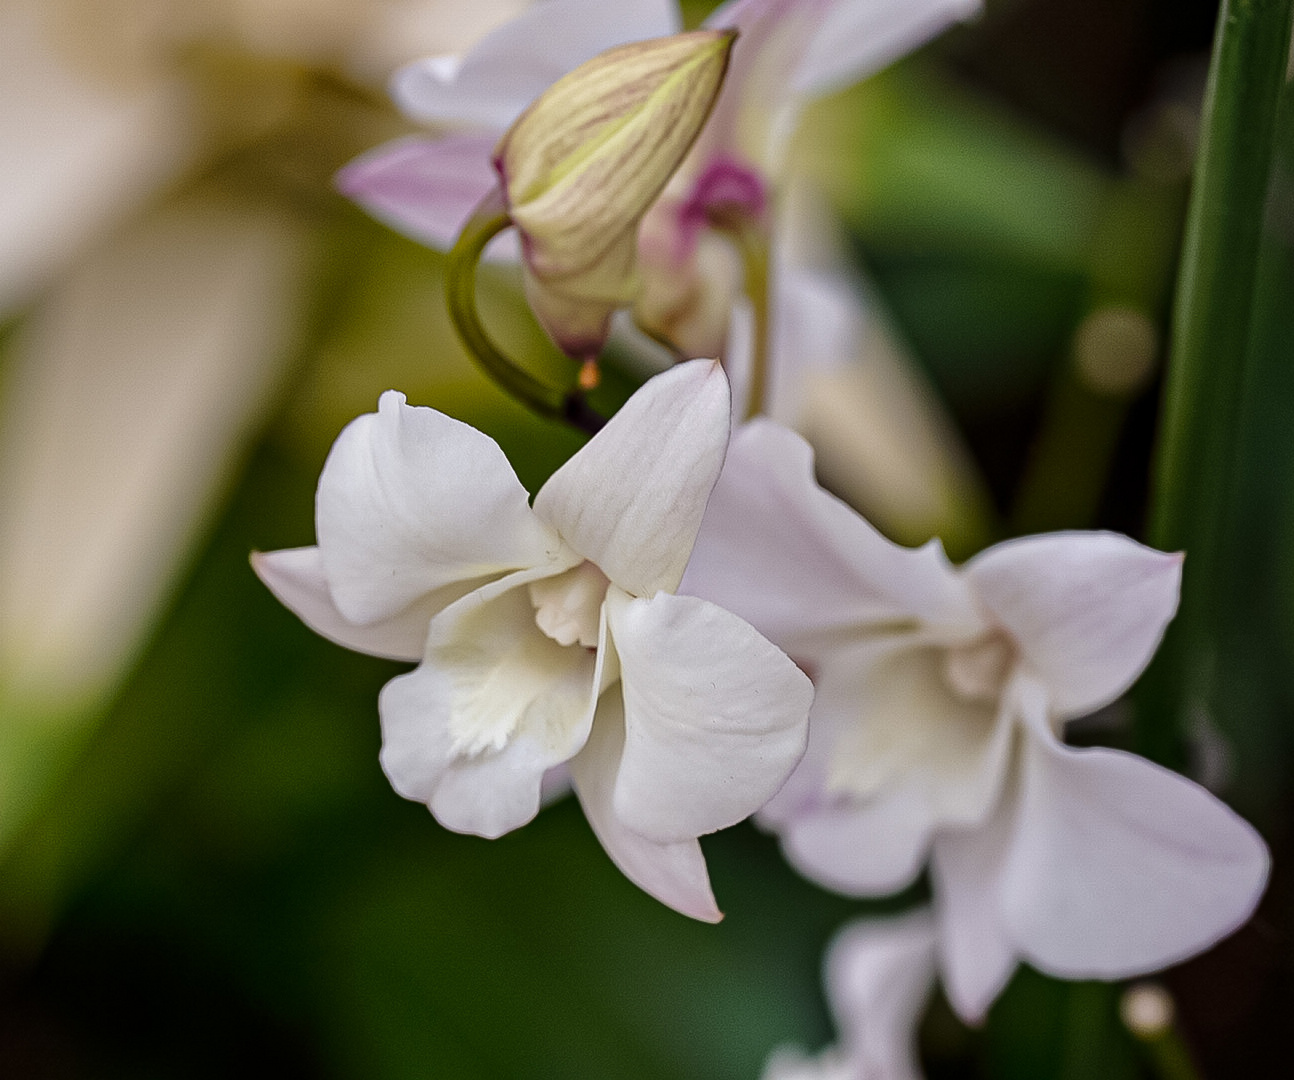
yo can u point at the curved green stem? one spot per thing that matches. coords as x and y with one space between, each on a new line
488 220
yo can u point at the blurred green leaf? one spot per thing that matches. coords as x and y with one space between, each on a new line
1223 391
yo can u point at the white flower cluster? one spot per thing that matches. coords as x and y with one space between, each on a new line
637 625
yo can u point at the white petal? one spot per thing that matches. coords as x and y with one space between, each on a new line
1120 867
130 395
410 501
673 873
802 566
1086 609
861 848
631 500
908 757
910 729
880 973
976 957
715 716
296 576
512 66
494 705
857 37
789 1063
423 188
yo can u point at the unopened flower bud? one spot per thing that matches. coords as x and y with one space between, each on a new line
586 161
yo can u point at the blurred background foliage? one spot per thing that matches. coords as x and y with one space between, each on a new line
203 871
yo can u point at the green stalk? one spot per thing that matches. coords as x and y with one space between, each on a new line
1210 356
487 221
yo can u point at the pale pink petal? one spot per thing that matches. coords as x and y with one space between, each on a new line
674 873
410 501
879 974
494 705
423 188
632 499
509 68
802 566
715 716
1087 610
296 577
1120 867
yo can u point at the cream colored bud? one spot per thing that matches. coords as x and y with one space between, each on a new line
586 161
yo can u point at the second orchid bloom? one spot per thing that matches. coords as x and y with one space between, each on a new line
553 635
937 732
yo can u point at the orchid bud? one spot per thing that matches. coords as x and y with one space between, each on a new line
586 161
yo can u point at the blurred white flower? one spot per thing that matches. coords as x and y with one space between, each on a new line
838 377
554 635
942 695
151 327
879 974
101 108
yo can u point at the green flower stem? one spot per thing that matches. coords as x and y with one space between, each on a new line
487 221
1210 353
757 287
1170 1058
1071 459
752 242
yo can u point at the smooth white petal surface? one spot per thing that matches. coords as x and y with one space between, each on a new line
410 501
509 68
879 975
976 957
870 847
1119 867
715 716
494 705
1087 609
296 577
631 499
423 188
130 395
802 566
674 873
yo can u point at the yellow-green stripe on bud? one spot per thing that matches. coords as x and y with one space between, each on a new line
582 165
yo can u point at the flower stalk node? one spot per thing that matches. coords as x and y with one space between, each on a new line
489 219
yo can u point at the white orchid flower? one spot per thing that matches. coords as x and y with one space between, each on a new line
554 634
879 974
788 54
936 734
